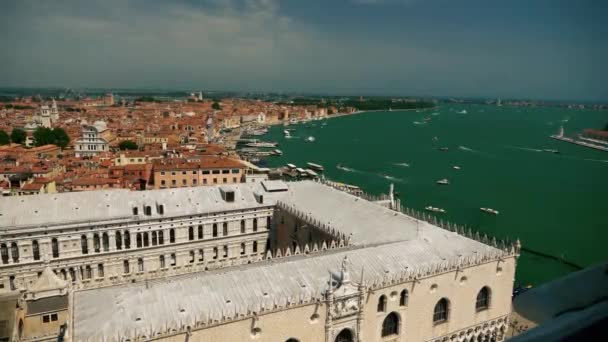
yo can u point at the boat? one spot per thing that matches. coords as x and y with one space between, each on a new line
435 138
443 149
464 111
434 209
444 181
456 167
311 173
286 134
489 211
300 170
262 144
551 150
315 166
277 152
310 139
291 166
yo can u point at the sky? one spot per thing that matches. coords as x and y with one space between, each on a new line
541 49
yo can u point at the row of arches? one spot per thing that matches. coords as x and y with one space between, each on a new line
10 251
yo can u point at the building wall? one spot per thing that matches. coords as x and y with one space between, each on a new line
196 177
35 327
72 260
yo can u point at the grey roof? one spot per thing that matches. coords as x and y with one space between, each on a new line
56 303
212 295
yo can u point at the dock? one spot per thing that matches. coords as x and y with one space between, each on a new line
586 143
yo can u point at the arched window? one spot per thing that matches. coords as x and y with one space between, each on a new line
225 229
15 252
382 304
242 249
390 326
254 249
255 224
55 248
36 250
96 244
242 226
345 336
106 242
200 231
483 299
138 240
127 239
161 260
225 249
140 265
146 239
291 339
4 253
154 239
172 235
268 222
403 298
118 240
442 311
161 238
190 233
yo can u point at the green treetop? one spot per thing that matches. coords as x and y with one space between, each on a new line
127 145
4 138
18 136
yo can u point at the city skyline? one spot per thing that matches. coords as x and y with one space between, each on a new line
545 50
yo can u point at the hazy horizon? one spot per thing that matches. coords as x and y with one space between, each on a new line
553 50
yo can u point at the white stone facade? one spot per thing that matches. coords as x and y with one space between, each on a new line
91 143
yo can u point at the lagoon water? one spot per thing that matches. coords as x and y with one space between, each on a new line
554 203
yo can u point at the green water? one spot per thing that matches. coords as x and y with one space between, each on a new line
554 203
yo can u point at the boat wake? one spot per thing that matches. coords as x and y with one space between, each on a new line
419 123
526 148
435 114
402 164
347 169
464 148
391 178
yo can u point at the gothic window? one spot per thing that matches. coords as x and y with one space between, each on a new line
55 248
483 299
442 311
255 224
345 336
127 239
135 210
390 326
140 265
214 252
4 253
161 260
161 209
88 272
192 257
15 252
154 239
148 210
172 235
215 230
190 233
118 240
96 244
161 239
225 249
173 259
225 229
36 250
242 248
146 239
72 274
255 247
138 240
201 254
382 304
106 242
200 231
242 226
100 270
403 298
125 267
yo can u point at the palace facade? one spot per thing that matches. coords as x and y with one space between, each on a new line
268 261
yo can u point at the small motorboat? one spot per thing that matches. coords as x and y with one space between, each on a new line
456 167
434 209
310 139
551 151
489 211
443 149
444 181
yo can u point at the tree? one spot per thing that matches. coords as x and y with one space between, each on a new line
43 136
18 136
216 106
60 137
127 145
4 138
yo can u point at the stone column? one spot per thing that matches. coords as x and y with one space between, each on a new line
112 240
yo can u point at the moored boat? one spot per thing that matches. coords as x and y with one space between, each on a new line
489 211
315 166
435 209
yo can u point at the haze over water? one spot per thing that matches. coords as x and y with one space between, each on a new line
554 203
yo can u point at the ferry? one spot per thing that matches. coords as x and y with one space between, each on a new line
315 166
262 144
310 139
456 167
291 166
435 210
444 181
489 211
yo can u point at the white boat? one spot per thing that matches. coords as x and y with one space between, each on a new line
277 152
489 211
286 134
444 181
311 173
456 167
291 166
300 170
315 166
434 209
310 139
464 111
262 144
551 150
